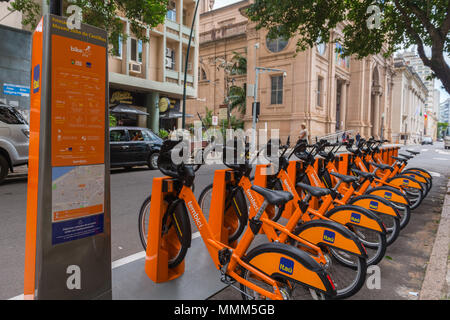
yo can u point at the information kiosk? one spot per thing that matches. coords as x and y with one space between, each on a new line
68 237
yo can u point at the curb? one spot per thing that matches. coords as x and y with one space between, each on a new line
435 276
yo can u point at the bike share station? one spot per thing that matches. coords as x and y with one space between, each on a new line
68 225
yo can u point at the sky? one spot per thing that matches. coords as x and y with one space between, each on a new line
444 95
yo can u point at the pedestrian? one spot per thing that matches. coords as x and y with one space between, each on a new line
344 137
358 137
303 133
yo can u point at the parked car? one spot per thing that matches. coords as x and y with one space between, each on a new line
14 140
427 140
134 146
447 138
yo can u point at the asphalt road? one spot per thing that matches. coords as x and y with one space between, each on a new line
128 191
401 274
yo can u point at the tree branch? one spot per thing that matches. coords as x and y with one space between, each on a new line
413 34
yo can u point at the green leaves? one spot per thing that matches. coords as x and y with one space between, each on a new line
402 23
105 14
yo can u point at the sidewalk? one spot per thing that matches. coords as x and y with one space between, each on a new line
436 285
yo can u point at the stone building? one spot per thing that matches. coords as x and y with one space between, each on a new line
409 99
319 86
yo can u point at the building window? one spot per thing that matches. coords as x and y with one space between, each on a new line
202 74
136 50
276 45
172 11
118 43
341 60
319 91
170 59
276 92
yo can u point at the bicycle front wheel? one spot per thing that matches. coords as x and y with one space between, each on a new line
176 231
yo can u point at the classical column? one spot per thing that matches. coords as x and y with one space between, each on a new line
376 91
344 104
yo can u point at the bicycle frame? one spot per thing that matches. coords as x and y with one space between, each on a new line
235 261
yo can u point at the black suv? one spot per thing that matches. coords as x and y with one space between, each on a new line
134 146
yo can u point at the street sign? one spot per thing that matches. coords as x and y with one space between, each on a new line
16 90
68 237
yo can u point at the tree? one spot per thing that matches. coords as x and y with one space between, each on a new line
369 26
235 95
104 14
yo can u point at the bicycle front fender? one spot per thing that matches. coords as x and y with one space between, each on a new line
281 261
404 181
390 194
375 204
331 234
416 176
358 216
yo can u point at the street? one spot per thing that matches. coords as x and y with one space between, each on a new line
402 269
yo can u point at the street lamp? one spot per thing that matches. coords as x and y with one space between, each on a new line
186 65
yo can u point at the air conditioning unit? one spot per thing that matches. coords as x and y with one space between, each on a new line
135 67
168 63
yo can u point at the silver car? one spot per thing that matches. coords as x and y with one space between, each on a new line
14 140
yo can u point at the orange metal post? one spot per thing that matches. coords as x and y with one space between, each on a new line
157 257
217 212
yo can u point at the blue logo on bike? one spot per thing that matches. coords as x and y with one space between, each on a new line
286 266
373 205
388 195
355 217
405 181
329 236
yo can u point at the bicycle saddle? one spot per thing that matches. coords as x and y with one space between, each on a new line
363 174
406 156
314 191
275 197
413 152
345 178
399 158
381 166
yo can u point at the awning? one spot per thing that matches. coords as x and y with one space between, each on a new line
172 114
123 108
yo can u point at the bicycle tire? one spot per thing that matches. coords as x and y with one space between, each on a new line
183 223
235 231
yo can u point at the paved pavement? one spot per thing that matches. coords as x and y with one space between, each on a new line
402 271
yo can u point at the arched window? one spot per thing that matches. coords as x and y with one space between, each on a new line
202 74
276 45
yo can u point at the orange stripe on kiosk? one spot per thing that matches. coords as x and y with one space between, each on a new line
68 238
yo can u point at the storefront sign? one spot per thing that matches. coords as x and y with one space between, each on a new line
121 97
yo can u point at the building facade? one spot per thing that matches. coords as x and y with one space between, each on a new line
149 77
319 87
444 111
409 98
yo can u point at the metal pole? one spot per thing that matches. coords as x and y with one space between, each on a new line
255 96
186 66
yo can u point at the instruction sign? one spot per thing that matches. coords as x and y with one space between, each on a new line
68 205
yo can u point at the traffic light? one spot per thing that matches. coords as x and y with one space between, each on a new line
256 106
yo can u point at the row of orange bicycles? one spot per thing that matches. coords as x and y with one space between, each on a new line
303 226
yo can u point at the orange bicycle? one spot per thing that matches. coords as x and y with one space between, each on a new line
344 254
268 271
